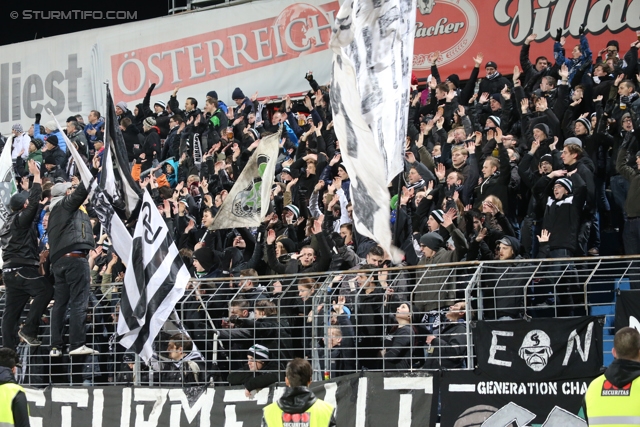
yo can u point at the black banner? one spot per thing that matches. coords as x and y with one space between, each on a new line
474 399
371 399
628 310
539 349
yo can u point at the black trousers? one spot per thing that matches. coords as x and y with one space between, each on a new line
22 285
72 290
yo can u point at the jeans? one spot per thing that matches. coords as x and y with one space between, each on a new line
631 236
567 291
72 289
619 190
21 285
583 238
530 229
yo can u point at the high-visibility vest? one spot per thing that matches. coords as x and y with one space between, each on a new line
8 392
318 415
610 406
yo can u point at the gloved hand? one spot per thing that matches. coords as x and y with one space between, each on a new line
309 76
581 30
559 35
38 117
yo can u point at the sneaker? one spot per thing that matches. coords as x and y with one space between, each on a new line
33 342
83 351
55 352
593 252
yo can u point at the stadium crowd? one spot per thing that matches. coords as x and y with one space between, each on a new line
540 165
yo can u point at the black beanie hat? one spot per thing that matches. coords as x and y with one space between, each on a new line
544 128
206 258
53 140
453 78
17 200
432 240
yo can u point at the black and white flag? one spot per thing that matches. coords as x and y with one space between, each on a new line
539 349
155 280
628 310
125 193
372 43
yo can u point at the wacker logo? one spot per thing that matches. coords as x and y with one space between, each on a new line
598 16
609 389
454 23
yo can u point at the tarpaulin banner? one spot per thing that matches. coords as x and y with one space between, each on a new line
628 310
539 349
403 400
475 399
269 45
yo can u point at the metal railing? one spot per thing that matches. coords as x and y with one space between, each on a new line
342 321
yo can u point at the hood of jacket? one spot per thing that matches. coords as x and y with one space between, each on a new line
6 375
140 115
297 400
131 129
621 372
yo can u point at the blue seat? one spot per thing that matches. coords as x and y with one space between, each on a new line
607 346
609 311
623 284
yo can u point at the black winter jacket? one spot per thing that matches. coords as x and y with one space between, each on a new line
19 236
69 226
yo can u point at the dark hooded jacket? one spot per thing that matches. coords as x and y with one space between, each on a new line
19 405
504 285
619 373
133 140
297 400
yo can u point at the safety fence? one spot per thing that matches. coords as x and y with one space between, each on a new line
374 319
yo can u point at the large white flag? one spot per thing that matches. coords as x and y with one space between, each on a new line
155 280
373 45
249 198
7 180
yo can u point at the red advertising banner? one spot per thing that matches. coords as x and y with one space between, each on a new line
299 30
460 29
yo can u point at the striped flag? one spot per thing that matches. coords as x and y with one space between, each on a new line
372 43
154 282
123 189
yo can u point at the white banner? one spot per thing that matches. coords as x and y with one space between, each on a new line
248 201
265 46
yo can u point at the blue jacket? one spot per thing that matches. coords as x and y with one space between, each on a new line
573 64
92 138
58 134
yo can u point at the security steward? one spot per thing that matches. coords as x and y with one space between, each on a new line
14 410
613 399
19 242
298 406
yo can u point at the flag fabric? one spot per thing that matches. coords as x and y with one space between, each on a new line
7 183
154 282
372 43
7 180
83 169
123 189
248 201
